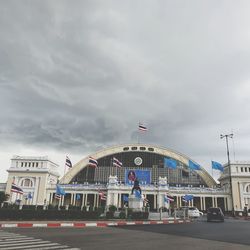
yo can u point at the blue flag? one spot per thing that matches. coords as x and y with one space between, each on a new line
193 165
137 194
217 166
60 190
170 163
165 199
125 198
187 197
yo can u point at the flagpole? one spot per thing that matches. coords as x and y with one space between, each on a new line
110 166
87 172
138 134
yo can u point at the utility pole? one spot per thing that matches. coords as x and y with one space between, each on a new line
229 167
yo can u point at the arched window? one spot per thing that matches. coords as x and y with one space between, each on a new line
26 183
248 188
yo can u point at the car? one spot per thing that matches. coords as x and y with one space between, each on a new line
192 212
215 214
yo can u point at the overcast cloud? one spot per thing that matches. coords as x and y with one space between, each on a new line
77 76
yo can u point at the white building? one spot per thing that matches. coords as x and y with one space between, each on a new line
82 183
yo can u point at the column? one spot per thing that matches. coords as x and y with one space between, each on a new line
51 198
71 198
74 199
94 200
62 200
86 200
216 201
155 197
213 202
180 201
225 204
36 191
97 200
201 203
118 200
204 203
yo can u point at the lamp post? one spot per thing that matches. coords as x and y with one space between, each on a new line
229 168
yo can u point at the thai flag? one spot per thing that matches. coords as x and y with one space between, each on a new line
142 127
117 163
68 162
57 196
16 189
93 162
168 198
102 195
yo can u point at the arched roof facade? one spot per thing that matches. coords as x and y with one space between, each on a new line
135 148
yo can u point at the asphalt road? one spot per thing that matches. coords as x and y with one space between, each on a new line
230 235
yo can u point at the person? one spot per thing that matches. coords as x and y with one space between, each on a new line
136 186
131 175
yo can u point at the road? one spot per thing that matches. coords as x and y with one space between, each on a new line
230 235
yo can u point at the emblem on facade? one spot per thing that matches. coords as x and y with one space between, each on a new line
138 161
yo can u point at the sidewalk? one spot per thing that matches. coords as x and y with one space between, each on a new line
82 224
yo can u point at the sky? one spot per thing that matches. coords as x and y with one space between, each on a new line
78 76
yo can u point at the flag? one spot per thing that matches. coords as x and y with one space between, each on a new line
145 200
142 127
217 166
187 197
117 163
29 196
16 189
193 165
125 198
102 195
168 198
57 196
68 162
137 194
60 190
78 197
93 162
170 163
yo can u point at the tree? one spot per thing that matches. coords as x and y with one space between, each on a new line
3 197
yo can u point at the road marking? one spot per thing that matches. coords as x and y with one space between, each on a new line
13 241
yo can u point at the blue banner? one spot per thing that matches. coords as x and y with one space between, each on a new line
144 176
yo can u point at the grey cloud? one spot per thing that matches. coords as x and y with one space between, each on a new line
80 76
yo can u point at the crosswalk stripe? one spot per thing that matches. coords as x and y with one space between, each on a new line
32 246
56 247
11 236
9 243
14 241
23 243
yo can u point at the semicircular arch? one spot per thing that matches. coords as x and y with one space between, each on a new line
120 148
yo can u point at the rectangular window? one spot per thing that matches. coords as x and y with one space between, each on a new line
241 169
245 169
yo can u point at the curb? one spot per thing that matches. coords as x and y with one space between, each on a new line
90 224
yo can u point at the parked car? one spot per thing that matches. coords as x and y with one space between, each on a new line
192 212
215 214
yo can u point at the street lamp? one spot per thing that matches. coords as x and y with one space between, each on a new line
228 163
